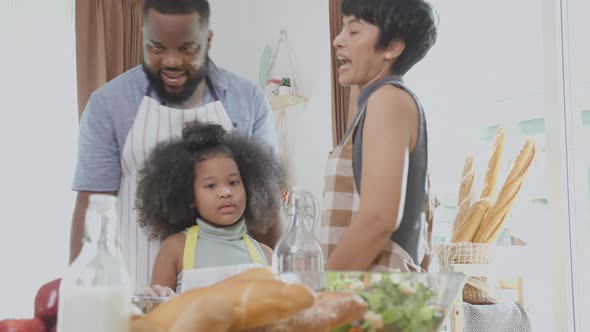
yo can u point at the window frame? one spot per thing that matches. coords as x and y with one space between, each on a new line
560 166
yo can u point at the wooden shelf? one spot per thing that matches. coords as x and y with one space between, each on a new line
280 102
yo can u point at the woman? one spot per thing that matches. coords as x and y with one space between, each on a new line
375 178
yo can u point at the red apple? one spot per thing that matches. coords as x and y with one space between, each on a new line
46 301
23 325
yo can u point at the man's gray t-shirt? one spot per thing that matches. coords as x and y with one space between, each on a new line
111 110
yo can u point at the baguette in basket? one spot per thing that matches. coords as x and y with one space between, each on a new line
491 177
482 221
466 230
493 221
466 192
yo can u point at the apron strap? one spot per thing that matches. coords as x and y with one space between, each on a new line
190 248
254 254
211 89
351 129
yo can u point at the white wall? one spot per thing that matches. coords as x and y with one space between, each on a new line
38 134
239 41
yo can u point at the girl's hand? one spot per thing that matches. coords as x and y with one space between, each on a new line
158 291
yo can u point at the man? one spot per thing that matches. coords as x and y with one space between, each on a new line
127 117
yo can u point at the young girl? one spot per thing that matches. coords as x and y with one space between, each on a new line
201 193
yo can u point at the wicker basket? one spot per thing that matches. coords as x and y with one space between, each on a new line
475 295
477 289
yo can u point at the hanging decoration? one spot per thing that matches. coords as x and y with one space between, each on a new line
282 91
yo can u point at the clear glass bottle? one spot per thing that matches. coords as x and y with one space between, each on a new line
298 250
95 292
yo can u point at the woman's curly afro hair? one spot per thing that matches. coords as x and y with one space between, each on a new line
165 194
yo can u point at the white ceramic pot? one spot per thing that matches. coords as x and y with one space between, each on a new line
285 91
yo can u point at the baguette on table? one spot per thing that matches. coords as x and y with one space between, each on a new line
140 324
255 302
330 310
202 315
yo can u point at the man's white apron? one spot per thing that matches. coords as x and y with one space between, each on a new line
154 123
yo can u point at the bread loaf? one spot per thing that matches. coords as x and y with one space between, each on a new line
330 310
492 223
466 187
466 195
259 273
466 231
461 213
138 324
255 302
491 176
212 313
264 302
468 166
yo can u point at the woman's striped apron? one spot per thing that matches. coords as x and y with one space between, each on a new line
340 206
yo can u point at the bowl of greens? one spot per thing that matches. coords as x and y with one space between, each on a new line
397 301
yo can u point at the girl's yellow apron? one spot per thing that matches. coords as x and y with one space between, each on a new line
203 277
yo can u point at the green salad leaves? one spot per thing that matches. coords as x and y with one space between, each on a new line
395 304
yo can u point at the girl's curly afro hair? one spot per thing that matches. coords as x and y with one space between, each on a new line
165 194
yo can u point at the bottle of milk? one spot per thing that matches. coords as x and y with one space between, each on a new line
95 292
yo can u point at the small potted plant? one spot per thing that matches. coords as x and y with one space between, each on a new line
285 87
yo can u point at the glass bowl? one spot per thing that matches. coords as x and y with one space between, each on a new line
398 301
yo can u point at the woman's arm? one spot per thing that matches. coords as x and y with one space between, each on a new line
390 132
168 262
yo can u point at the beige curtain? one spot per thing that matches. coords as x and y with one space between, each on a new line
343 98
108 42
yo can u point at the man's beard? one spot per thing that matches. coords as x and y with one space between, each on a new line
157 84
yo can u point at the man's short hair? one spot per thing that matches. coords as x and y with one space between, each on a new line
179 7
